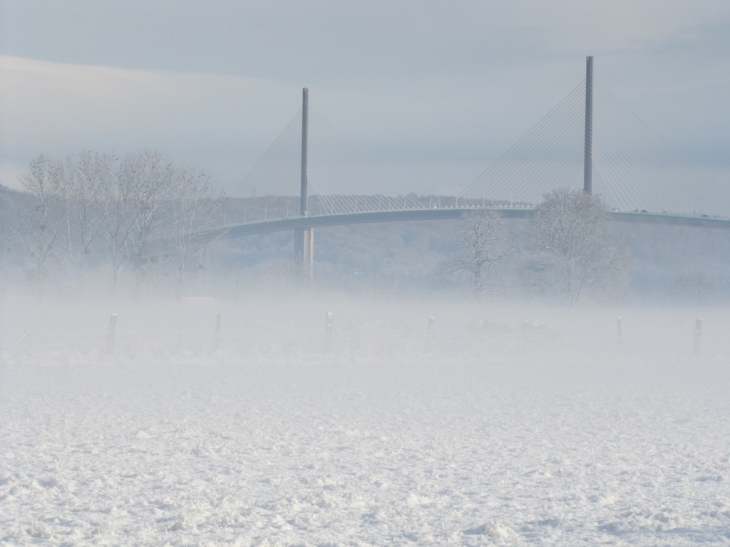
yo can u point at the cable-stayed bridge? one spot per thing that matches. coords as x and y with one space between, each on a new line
589 140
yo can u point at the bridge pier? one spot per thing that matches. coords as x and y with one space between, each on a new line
308 256
588 149
304 252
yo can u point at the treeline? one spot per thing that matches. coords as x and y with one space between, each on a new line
94 223
565 252
135 216
132 223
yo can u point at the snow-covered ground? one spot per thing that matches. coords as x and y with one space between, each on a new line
504 432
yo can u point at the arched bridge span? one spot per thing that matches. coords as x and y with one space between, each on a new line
306 223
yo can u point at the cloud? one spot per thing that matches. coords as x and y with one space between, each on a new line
10 175
412 84
226 121
336 41
59 108
73 103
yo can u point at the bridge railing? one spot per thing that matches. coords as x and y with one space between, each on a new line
270 208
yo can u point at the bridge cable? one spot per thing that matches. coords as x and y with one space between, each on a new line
335 176
375 179
624 147
649 158
566 140
519 160
618 165
283 173
526 146
268 162
500 173
327 173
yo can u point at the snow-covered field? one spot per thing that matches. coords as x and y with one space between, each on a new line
488 433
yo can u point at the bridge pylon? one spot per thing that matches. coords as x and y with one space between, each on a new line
588 150
304 239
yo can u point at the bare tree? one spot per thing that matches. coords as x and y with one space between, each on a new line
10 247
480 249
568 229
147 211
193 209
40 213
116 205
82 181
151 187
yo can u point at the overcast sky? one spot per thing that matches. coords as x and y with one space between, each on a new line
431 91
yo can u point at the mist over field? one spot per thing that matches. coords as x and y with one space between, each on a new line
556 379
321 417
478 381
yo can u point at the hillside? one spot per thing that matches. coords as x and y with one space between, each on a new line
669 263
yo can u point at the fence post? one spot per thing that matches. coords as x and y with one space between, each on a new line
618 334
111 330
329 327
697 338
429 332
217 333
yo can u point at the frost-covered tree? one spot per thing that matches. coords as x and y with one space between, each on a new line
481 247
11 254
117 212
151 180
81 183
574 252
143 210
193 208
40 213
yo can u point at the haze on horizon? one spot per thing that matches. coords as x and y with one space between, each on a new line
431 94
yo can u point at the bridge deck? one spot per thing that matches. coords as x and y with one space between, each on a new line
303 223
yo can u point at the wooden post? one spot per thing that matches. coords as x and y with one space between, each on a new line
697 338
429 331
111 330
217 333
329 327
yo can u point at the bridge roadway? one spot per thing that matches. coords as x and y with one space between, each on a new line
324 221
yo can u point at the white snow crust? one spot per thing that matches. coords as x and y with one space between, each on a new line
485 436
